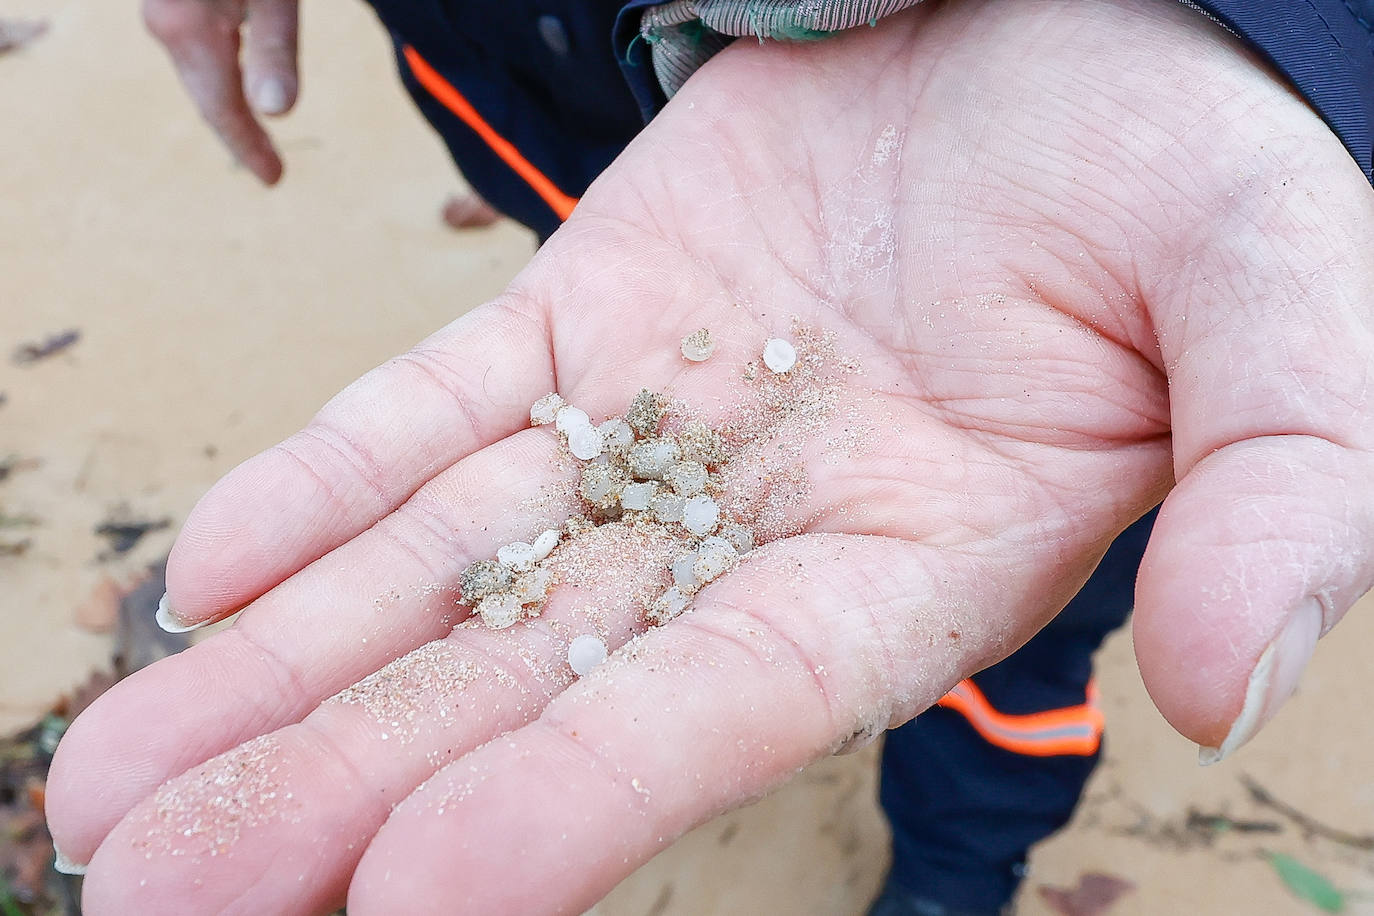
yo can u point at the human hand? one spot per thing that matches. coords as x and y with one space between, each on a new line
1073 267
205 38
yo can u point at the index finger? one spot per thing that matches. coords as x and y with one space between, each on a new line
363 455
203 41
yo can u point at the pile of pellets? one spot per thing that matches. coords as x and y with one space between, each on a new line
632 471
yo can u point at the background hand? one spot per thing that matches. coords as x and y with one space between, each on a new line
1041 276
237 60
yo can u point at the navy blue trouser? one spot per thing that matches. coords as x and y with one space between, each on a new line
964 810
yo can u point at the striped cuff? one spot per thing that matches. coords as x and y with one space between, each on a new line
1324 47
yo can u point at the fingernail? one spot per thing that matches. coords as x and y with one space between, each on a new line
269 96
1273 681
172 622
65 865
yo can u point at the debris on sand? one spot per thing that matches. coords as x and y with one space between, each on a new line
28 881
30 353
1095 895
15 548
99 612
12 463
123 531
16 33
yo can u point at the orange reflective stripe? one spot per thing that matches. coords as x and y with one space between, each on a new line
1074 730
448 95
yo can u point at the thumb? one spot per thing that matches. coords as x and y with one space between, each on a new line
1259 550
1268 342
270 77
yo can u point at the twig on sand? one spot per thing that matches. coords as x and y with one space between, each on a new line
1308 824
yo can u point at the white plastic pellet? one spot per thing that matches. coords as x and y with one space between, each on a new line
597 483
570 418
687 478
668 605
545 410
637 495
585 442
700 515
499 611
779 355
519 556
533 586
714 556
698 346
585 653
740 537
545 543
683 577
668 507
617 434
650 460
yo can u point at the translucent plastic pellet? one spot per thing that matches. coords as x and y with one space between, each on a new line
714 556
701 443
601 485
637 495
740 537
545 543
687 478
585 442
519 556
668 507
698 346
645 413
617 434
700 515
499 611
585 653
532 586
570 418
683 577
545 410
668 605
651 459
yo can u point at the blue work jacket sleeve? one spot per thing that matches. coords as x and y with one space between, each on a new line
1325 48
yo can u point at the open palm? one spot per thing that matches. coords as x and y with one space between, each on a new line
1038 273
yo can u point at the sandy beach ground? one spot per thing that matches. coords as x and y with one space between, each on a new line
215 317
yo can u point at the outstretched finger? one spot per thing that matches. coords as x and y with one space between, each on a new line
270 77
361 457
203 41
